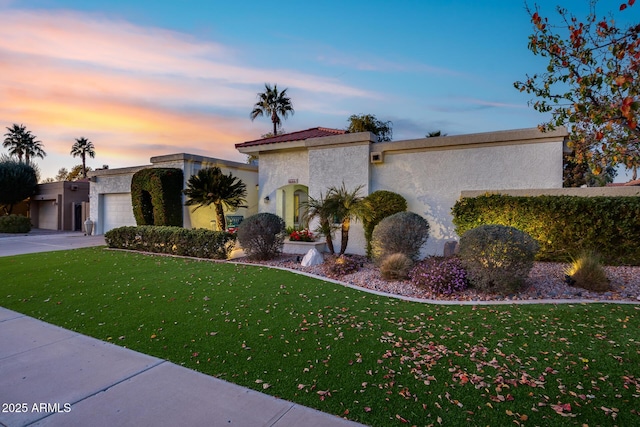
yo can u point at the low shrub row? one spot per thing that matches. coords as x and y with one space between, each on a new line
564 226
14 224
199 243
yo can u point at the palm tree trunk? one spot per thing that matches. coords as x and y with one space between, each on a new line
275 128
346 223
84 165
222 224
325 228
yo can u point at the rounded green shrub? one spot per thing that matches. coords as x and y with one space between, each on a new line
497 258
14 224
396 267
403 232
261 236
381 204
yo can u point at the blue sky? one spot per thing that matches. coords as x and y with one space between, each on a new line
146 78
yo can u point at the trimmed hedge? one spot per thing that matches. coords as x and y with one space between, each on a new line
199 243
14 224
564 226
156 196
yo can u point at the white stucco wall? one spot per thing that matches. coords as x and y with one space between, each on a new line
276 169
432 180
110 181
430 172
330 166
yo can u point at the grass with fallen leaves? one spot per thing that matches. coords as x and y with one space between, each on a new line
376 360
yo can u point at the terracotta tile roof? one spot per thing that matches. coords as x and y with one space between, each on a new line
294 136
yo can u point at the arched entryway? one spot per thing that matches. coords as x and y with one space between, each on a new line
290 204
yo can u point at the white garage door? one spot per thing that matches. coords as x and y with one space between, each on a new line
117 211
47 215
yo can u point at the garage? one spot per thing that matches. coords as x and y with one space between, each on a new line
48 214
116 211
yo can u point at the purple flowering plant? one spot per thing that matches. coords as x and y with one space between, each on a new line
441 275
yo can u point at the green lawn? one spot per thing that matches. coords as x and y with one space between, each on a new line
376 360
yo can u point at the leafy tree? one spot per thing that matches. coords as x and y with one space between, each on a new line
83 147
211 187
321 209
22 143
577 173
273 104
435 134
62 175
370 123
18 181
346 205
591 84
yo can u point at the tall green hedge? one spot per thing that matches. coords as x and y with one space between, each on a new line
562 225
156 196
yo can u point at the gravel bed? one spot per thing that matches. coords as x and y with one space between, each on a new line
545 282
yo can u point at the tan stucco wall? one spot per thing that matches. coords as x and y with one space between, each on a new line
64 195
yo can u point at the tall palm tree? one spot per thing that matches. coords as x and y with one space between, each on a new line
33 148
211 187
347 205
81 148
273 104
14 141
22 143
321 209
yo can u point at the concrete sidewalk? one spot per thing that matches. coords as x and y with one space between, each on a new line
50 376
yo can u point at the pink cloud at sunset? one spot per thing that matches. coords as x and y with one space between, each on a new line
134 91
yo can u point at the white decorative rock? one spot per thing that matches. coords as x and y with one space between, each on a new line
313 257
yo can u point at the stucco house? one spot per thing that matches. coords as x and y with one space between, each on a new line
110 191
430 173
61 205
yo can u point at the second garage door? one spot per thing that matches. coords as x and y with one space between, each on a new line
117 211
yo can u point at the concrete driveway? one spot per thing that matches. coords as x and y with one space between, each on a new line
45 241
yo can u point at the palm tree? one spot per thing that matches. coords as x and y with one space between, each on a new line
211 187
14 140
33 148
274 104
321 209
347 205
22 143
81 148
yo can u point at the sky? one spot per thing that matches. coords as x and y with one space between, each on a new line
147 78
